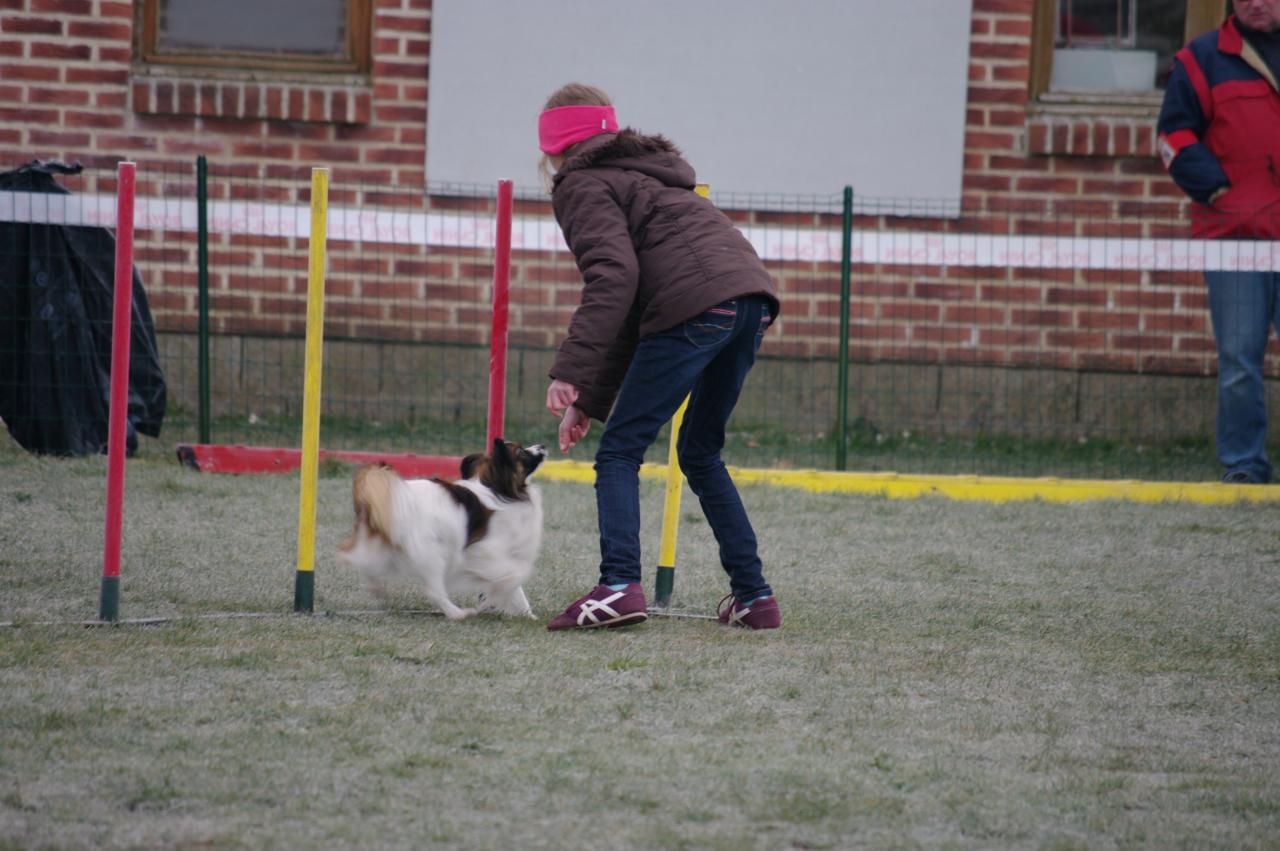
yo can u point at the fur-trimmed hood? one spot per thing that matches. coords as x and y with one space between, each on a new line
628 149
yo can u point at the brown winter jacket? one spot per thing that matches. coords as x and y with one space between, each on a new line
652 252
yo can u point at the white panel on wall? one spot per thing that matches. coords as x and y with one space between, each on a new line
797 98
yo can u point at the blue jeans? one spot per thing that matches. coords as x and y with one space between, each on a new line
1244 307
707 358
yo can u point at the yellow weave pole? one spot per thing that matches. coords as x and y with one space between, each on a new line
304 580
665 582
666 579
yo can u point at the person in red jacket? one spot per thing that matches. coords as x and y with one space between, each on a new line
1219 136
675 302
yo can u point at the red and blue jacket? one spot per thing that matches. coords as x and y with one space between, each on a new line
1220 129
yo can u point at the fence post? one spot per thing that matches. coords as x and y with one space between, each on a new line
202 262
842 390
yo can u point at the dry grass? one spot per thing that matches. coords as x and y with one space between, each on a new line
949 674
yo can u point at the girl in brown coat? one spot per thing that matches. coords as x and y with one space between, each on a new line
675 302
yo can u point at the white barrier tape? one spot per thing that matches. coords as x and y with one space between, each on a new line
908 248
353 224
912 248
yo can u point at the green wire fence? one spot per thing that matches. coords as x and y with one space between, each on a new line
986 337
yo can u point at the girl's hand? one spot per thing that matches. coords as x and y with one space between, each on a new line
560 395
573 428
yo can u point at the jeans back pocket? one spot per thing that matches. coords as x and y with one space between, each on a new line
712 326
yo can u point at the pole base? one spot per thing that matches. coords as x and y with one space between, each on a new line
664 586
109 599
304 588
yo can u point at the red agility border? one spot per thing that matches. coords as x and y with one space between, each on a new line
217 458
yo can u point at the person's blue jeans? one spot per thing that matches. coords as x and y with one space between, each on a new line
1244 306
707 358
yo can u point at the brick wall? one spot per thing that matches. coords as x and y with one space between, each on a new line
71 89
1099 159
1030 169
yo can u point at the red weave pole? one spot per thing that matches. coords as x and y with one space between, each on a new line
126 174
501 309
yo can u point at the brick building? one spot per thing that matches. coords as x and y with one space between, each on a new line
90 80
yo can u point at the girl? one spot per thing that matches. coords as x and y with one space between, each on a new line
675 301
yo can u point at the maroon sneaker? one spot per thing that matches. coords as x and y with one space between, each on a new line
761 614
604 607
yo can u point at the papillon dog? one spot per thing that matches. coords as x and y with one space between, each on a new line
476 537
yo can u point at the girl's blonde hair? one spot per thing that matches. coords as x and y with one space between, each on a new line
577 94
572 94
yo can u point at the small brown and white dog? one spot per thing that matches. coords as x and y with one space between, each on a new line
476 536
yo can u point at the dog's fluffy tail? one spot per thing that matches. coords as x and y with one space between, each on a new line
372 492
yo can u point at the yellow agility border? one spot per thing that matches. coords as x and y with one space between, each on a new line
969 488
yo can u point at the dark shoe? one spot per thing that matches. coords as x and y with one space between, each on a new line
761 614
604 607
1239 477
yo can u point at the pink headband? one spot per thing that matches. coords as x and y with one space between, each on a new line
568 125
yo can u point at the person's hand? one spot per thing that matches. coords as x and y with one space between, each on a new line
560 395
573 427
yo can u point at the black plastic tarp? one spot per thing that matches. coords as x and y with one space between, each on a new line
56 286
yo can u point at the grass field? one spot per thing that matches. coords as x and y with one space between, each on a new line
948 674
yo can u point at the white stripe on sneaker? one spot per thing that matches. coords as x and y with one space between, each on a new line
589 608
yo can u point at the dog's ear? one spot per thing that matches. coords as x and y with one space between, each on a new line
502 454
470 463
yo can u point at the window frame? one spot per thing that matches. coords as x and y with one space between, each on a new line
1202 15
356 61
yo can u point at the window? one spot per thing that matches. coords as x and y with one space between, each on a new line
803 56
305 35
1099 46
